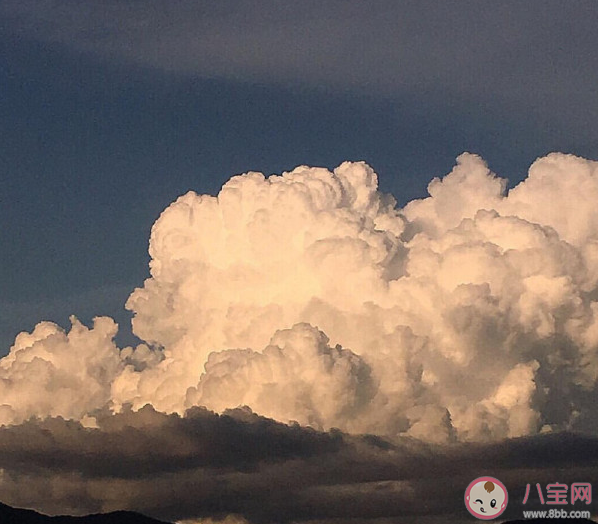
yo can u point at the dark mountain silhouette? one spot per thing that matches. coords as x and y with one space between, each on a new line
10 515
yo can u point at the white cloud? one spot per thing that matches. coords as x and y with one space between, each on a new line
308 296
53 373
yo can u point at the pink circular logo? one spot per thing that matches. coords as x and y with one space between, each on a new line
486 498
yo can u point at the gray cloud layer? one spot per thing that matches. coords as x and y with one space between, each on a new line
204 464
475 49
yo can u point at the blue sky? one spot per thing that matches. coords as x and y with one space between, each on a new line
110 110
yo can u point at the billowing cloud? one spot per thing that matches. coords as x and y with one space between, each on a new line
309 297
52 373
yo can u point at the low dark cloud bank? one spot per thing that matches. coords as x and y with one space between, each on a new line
205 465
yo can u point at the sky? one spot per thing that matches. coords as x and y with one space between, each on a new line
111 110
313 297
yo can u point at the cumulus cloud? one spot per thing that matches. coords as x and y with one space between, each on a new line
298 376
310 297
50 372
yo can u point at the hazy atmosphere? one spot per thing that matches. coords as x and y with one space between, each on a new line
296 261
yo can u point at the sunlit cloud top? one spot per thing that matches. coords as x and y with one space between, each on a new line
310 297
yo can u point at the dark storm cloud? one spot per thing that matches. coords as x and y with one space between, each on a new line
205 464
147 441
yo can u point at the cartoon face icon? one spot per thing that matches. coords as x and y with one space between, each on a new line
486 498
